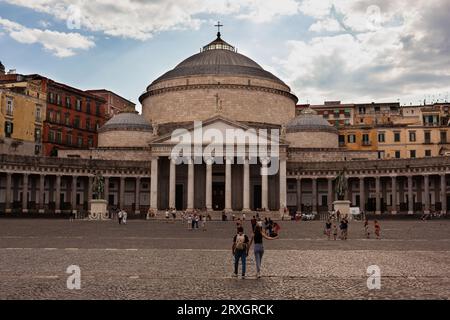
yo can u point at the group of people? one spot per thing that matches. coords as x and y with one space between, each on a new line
376 226
193 219
331 229
122 216
242 243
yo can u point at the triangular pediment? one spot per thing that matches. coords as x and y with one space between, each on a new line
217 126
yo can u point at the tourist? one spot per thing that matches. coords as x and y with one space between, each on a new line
197 218
243 216
167 215
275 229
253 223
124 217
366 228
335 231
119 216
328 229
344 229
203 223
189 221
174 214
240 251
377 229
258 250
338 215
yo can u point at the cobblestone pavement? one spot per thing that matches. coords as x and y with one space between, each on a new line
157 260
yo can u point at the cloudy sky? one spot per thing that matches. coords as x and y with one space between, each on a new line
353 51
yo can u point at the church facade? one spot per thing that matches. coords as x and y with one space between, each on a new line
177 154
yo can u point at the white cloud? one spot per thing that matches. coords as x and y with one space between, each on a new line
59 43
384 49
141 19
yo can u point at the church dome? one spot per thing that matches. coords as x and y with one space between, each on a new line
218 80
310 130
309 120
218 58
125 130
126 121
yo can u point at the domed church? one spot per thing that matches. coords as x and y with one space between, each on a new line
208 95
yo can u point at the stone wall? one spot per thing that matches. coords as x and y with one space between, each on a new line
312 139
124 138
238 102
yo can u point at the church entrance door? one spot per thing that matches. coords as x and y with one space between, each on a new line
218 195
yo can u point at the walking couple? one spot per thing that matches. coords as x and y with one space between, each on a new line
242 245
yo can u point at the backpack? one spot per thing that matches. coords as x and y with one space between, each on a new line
240 242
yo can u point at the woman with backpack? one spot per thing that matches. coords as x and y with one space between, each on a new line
258 248
240 251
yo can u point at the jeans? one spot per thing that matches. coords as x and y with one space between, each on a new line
240 254
259 251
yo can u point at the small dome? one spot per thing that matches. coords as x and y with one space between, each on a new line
128 121
309 120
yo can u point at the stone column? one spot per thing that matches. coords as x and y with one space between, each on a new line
190 191
426 182
41 205
377 196
299 195
314 195
25 193
394 195
362 196
228 207
137 196
283 185
154 185
246 183
330 194
208 186
122 193
443 194
172 183
58 194
410 195
8 193
264 186
73 194
89 192
106 189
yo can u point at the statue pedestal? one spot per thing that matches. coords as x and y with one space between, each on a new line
343 206
98 209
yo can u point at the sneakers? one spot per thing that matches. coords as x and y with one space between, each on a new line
258 275
235 275
243 276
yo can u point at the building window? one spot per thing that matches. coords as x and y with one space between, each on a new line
80 141
362 110
38 113
412 153
51 97
365 139
37 135
397 154
412 136
341 140
381 137
380 154
90 141
59 137
347 122
8 129
88 106
58 99
88 124
67 119
78 107
9 107
443 136
76 122
97 125
97 109
37 149
69 138
427 137
58 117
427 153
396 136
351 138
51 136
68 102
